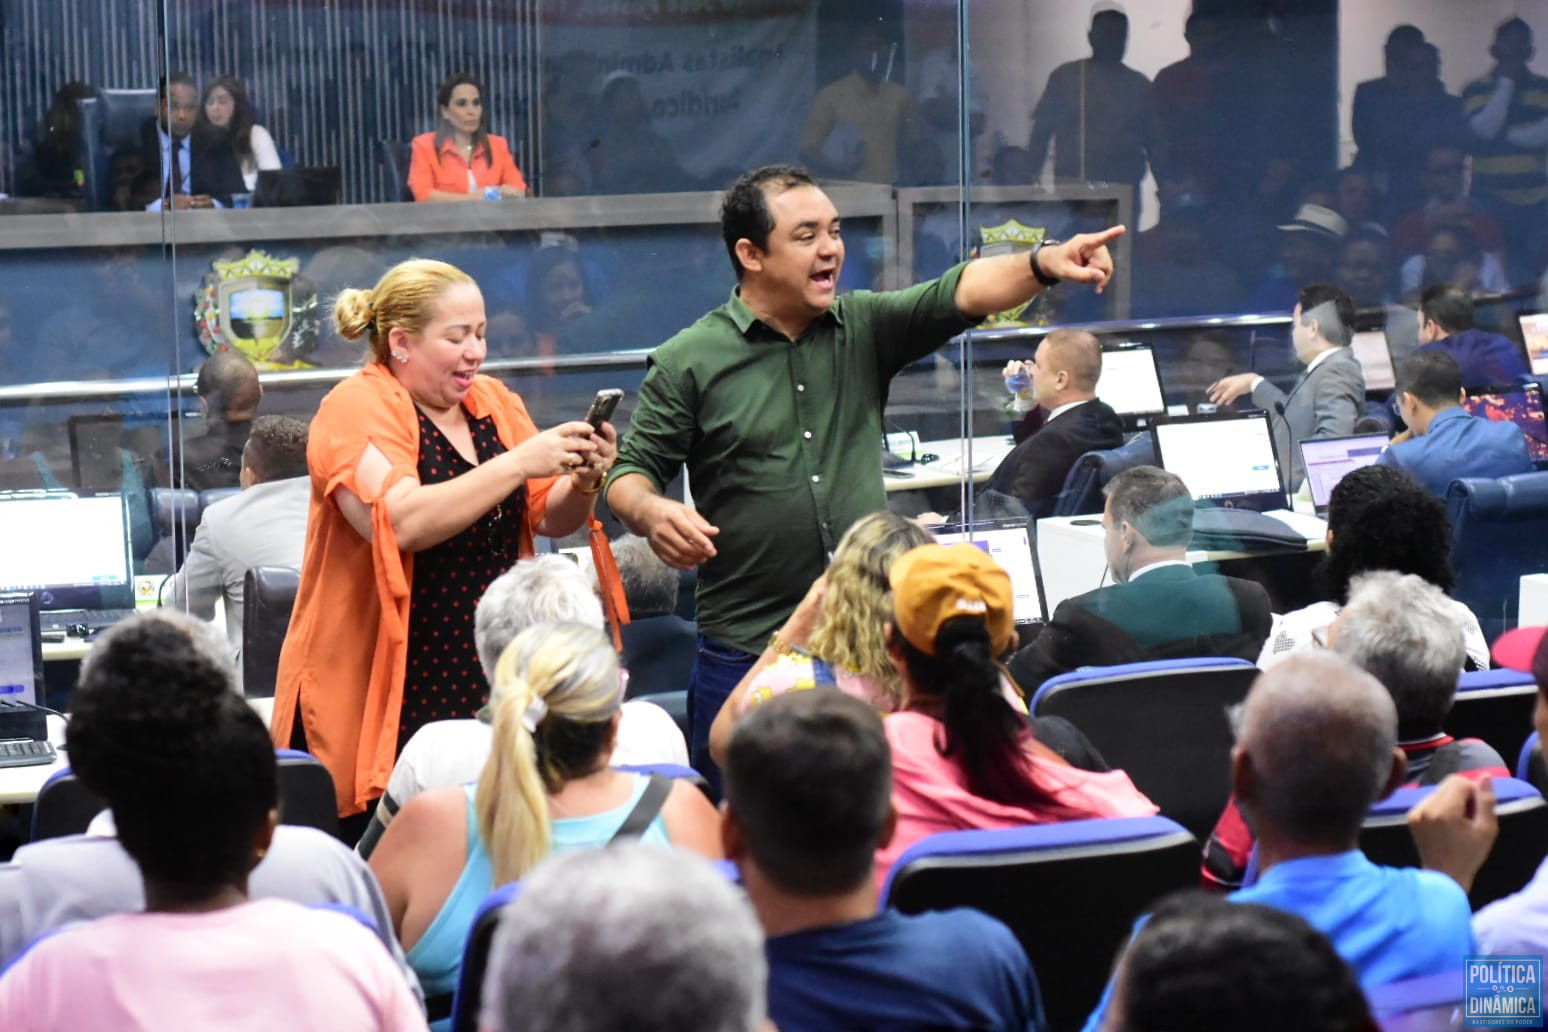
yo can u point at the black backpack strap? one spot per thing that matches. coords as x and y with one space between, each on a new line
645 810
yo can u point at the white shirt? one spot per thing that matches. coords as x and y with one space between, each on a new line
1292 632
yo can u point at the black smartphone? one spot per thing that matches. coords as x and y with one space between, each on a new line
602 407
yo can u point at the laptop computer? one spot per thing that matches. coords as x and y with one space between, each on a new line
1534 334
1375 357
73 552
1227 461
1130 383
1519 403
1011 547
298 187
1327 459
23 727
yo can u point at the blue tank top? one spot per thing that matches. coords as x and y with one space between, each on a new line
437 957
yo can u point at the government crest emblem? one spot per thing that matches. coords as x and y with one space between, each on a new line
259 306
1011 237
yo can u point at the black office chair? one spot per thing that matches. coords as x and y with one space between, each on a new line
64 807
175 513
268 596
1495 706
110 122
394 157
1069 891
1523 841
1082 491
1164 723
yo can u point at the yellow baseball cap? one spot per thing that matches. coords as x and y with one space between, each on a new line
932 584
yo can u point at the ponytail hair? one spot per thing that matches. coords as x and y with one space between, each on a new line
557 691
980 731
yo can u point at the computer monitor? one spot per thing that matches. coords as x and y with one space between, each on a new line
21 649
298 187
1519 403
1226 461
72 552
1011 547
1534 334
1375 358
1130 382
1327 459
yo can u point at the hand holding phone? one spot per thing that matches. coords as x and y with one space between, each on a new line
602 407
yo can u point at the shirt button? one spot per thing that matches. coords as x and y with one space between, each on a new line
816 478
807 434
800 386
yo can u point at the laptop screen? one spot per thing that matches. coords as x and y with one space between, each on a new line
1226 461
1011 547
1370 348
1521 404
21 650
74 552
1130 383
1534 332
1328 459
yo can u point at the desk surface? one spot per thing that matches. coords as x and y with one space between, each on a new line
977 457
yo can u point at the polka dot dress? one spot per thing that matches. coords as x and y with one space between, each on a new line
443 680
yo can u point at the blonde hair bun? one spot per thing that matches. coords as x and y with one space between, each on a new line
354 313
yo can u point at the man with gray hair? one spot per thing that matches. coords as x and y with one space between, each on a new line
626 937
658 645
1159 607
543 589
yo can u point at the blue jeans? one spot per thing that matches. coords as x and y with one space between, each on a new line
717 669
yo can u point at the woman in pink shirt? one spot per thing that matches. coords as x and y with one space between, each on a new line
189 772
962 757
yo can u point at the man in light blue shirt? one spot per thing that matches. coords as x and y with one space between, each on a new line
1443 441
1317 745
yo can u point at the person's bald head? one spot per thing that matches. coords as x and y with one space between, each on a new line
1316 747
227 383
1066 369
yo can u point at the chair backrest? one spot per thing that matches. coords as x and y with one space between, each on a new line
475 958
1164 723
1082 491
306 792
268 596
1523 841
175 513
1499 531
64 806
1530 766
394 156
109 122
1070 892
1496 706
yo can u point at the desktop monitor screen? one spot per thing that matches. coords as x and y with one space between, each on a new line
1226 461
1327 459
1130 383
1011 547
1375 357
1534 332
74 552
21 649
1521 404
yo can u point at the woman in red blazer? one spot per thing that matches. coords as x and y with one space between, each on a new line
461 161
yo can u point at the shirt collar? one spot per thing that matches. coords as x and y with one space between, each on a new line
1314 868
744 317
1137 574
1314 363
1062 409
1449 412
473 401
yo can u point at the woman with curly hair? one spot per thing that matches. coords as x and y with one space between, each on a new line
1379 518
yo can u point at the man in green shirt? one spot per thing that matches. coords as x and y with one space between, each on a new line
774 401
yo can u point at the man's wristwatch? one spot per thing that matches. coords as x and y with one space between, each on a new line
1037 270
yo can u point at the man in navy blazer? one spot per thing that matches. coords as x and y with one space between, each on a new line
1327 399
206 166
1446 325
1443 442
1159 607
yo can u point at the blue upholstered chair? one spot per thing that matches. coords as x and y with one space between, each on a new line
1070 892
1164 723
109 122
1522 844
475 958
1530 766
1499 531
1496 706
1082 491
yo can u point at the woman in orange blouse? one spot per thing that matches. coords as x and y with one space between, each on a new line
461 161
428 481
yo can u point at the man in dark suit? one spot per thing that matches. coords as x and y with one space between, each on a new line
1159 607
1446 325
1329 396
173 163
229 392
1063 373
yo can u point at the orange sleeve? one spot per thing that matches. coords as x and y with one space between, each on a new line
505 165
421 179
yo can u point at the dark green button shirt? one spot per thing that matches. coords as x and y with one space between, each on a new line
782 438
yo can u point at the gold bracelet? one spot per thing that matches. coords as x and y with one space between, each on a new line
575 486
780 647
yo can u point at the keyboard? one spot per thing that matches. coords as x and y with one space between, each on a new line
24 752
92 619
